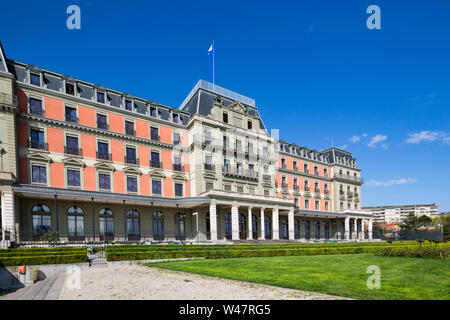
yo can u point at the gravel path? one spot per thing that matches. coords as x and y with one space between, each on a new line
144 283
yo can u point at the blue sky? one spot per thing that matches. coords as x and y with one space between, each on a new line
314 68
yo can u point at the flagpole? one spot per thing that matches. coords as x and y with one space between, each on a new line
214 53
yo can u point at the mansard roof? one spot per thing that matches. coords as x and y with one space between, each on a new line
3 66
203 95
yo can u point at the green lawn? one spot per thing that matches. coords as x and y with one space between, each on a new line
341 275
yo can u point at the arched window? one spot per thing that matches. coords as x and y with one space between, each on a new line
158 225
254 226
242 227
317 229
307 229
106 221
267 227
327 230
75 220
284 229
296 229
180 222
228 226
41 220
133 226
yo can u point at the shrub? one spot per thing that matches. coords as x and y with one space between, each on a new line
46 259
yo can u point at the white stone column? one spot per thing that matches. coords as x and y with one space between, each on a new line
291 224
263 234
347 228
213 220
250 224
235 222
362 230
8 215
275 224
356 229
370 229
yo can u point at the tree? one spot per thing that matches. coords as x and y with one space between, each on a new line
444 220
410 223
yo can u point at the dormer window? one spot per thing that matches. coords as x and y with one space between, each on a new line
35 79
153 112
101 97
70 89
175 118
128 105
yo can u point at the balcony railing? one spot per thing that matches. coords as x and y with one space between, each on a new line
307 188
155 137
131 160
130 132
104 156
37 112
296 187
239 172
284 185
209 166
349 194
326 191
348 177
306 171
177 167
316 173
38 145
316 190
73 151
267 177
155 164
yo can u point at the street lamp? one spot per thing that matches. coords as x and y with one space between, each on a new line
196 222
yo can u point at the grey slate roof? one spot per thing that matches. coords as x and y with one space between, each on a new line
3 66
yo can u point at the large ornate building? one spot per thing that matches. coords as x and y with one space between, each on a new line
93 164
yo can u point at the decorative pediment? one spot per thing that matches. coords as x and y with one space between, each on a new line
132 170
179 176
209 175
238 107
104 166
157 173
73 162
39 157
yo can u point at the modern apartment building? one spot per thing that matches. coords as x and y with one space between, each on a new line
94 164
397 214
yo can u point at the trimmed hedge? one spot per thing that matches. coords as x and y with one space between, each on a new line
235 253
117 249
415 251
36 256
47 259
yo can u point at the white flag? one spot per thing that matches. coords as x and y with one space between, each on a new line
210 49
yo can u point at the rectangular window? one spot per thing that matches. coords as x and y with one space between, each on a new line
131 155
326 206
129 128
154 134
306 204
239 188
238 145
103 152
209 185
226 165
70 89
102 122
72 145
37 139
227 187
175 118
305 168
225 117
39 174
249 125
128 105
178 190
154 162
35 79
153 112
73 178
177 166
325 172
101 97
71 114
36 107
316 205
104 181
176 138
156 187
132 184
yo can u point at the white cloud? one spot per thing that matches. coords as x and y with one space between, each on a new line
391 182
428 136
344 146
354 139
377 139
